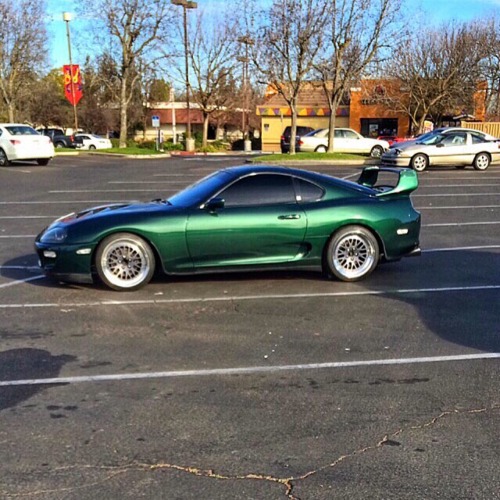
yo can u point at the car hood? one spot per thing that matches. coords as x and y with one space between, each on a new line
408 147
115 209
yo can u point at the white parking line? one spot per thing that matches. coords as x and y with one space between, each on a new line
457 185
58 202
233 298
445 224
458 207
18 282
249 370
67 191
453 194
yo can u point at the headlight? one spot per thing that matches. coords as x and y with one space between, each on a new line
55 235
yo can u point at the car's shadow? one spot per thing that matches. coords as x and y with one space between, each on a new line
457 299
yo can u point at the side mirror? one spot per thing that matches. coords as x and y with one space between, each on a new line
214 204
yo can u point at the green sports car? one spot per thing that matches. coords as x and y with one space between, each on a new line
241 218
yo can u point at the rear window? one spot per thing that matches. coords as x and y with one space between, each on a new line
21 130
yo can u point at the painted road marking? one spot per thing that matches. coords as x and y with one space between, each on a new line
233 298
18 282
250 370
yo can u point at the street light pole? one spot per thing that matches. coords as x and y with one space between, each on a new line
67 19
187 4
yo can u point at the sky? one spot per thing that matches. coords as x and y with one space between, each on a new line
426 11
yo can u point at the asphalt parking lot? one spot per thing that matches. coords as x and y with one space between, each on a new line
250 386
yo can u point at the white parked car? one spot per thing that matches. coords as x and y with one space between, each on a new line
22 142
459 148
345 140
92 141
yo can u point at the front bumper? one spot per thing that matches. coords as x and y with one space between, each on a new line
66 262
395 161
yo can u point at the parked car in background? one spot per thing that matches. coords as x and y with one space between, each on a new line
458 148
346 140
241 218
447 130
59 139
92 141
22 142
285 137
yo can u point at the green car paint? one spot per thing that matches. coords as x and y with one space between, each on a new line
196 231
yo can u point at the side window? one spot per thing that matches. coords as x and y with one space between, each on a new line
307 191
350 134
265 189
338 134
476 139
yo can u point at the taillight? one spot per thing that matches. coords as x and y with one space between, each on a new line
15 142
300 143
282 138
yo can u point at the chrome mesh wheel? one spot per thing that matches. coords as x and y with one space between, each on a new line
124 262
352 253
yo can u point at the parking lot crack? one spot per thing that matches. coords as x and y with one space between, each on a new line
287 483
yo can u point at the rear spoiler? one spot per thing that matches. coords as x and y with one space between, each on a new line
407 180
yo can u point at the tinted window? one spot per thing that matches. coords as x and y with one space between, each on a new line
307 191
476 139
259 190
21 130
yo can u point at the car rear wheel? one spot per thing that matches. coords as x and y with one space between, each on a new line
4 161
43 161
124 262
320 149
352 253
481 161
59 145
376 152
91 147
419 162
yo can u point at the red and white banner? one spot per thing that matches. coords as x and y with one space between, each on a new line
73 87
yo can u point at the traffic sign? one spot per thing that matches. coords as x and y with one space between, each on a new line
156 121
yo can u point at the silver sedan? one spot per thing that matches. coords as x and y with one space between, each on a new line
459 149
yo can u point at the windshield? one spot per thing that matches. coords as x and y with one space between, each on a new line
201 190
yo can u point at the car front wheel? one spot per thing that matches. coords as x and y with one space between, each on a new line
43 161
320 149
124 262
481 161
352 253
419 162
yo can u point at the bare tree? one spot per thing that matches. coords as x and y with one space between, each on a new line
212 54
138 29
436 71
357 32
23 49
288 41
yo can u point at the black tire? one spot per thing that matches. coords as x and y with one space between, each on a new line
124 262
59 145
419 162
43 161
91 147
376 151
482 161
352 253
4 161
320 149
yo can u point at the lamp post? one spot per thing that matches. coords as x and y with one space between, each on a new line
67 18
187 4
247 41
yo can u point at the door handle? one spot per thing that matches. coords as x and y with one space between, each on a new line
289 217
